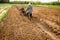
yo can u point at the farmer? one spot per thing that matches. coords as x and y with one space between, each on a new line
29 10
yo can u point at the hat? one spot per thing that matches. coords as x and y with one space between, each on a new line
29 3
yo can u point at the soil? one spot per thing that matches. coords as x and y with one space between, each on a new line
45 24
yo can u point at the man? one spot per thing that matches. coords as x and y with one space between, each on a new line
29 10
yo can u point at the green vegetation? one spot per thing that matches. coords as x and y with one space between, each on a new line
4 1
35 3
51 6
4 13
51 3
5 4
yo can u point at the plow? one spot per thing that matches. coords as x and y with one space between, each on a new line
24 12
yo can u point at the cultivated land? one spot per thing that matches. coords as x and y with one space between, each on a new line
45 24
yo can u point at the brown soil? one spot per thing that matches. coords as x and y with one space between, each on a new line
19 27
49 17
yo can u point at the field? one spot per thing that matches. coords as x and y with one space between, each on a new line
44 25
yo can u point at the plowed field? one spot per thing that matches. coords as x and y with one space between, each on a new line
45 24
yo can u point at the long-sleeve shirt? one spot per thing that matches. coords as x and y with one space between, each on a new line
29 9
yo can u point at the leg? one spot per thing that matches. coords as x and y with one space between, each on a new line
30 15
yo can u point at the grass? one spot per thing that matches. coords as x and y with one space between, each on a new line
4 13
8 5
51 6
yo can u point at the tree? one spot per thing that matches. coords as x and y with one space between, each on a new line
1 1
6 0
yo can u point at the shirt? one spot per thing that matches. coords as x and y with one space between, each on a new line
29 8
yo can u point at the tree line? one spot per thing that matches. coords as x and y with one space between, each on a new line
34 3
4 1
